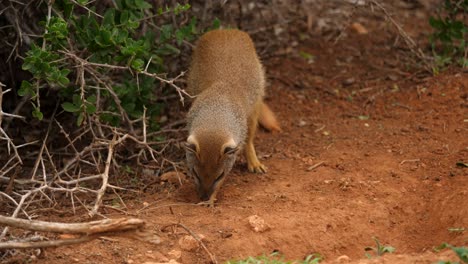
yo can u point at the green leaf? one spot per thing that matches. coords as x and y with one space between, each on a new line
103 39
141 4
90 109
63 81
216 23
138 64
64 72
26 89
70 107
92 99
166 33
181 8
168 49
109 18
306 55
462 253
436 23
80 119
124 16
119 4
56 30
388 249
37 114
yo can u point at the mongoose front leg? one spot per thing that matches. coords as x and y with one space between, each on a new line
253 163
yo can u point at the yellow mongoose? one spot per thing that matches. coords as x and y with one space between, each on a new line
228 80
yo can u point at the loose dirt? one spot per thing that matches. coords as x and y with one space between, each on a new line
369 148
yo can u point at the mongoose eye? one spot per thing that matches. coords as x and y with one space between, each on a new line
230 150
219 177
190 147
195 174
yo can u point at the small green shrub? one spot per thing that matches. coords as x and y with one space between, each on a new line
462 253
379 250
448 40
275 258
95 60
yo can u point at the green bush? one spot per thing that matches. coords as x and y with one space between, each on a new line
448 40
102 61
462 253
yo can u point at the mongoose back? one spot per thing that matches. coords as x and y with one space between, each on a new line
228 80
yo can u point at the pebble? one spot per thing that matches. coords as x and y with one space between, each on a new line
189 243
175 254
257 224
343 259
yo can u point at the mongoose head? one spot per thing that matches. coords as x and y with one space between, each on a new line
210 157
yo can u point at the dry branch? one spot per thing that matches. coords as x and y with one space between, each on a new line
44 244
105 178
89 228
408 40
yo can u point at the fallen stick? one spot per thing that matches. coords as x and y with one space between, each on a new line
44 244
94 227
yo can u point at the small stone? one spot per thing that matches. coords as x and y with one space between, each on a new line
157 256
343 259
349 81
129 261
226 234
258 224
302 123
175 254
189 243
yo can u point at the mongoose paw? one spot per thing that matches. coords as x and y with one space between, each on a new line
257 168
209 203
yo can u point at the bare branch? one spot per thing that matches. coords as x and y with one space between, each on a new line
44 244
89 228
105 178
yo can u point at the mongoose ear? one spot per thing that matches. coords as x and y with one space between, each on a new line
191 144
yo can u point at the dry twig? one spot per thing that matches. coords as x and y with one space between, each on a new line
89 231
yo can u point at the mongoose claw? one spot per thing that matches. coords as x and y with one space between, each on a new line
257 168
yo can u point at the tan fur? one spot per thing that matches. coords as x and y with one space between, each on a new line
228 80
